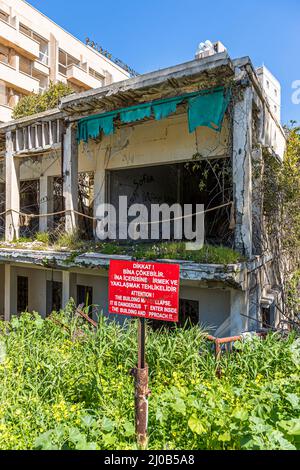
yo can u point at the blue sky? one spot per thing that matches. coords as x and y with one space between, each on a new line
149 35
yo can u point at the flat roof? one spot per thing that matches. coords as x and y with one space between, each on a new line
214 69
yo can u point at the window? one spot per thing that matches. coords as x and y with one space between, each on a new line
268 315
85 296
275 108
44 49
4 54
265 317
268 84
22 294
64 61
25 66
4 16
43 53
276 92
54 296
97 75
188 312
25 30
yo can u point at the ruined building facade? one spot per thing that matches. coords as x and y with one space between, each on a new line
139 138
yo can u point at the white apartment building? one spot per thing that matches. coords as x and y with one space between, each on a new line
34 51
272 89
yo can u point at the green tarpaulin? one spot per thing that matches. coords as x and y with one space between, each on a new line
205 108
92 127
163 110
135 114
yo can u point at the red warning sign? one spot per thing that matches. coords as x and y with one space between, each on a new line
144 289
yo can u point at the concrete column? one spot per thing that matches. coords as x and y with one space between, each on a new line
17 63
7 292
257 202
46 202
242 172
70 172
239 305
99 194
53 58
12 191
68 287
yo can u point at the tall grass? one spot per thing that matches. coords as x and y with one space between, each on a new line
70 387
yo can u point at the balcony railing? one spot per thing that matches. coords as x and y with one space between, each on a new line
19 80
11 37
81 77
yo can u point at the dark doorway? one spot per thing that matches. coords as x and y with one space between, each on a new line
54 296
85 297
188 312
22 294
203 182
29 204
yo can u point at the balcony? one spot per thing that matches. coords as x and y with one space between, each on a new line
41 68
80 77
5 113
18 80
9 36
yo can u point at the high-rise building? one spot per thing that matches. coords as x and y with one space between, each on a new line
34 51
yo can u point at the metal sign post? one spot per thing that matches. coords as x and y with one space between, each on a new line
143 290
141 391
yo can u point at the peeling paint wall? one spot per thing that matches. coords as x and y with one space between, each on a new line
214 305
155 143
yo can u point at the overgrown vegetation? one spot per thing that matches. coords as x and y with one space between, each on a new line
281 203
32 104
63 390
144 251
282 195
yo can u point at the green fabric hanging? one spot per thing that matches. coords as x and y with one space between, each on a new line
207 110
132 115
163 110
91 128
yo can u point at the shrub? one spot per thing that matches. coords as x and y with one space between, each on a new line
49 99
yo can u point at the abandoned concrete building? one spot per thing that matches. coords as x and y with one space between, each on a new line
154 138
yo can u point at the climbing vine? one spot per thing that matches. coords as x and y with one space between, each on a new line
281 203
281 200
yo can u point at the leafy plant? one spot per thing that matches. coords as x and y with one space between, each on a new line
32 104
63 390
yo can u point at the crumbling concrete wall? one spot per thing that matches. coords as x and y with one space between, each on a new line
156 143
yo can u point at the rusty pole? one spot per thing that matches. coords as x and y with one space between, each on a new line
141 388
218 357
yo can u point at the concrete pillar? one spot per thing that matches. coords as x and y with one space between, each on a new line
53 58
7 292
46 202
239 306
242 172
70 172
17 63
257 202
99 193
68 287
12 191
